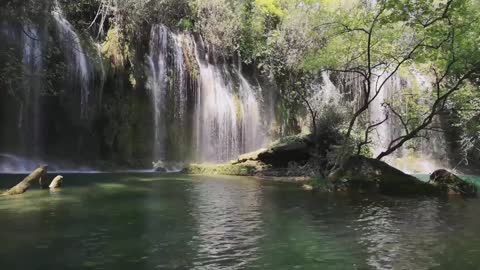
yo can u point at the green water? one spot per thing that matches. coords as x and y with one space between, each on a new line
134 221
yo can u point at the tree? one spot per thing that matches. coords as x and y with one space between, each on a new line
374 43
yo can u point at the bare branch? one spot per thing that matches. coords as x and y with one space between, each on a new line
369 129
434 110
442 17
404 124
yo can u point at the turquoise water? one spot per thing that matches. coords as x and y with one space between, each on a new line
144 221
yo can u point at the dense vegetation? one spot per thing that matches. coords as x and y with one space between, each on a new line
290 43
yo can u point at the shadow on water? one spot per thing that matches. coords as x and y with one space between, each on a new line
149 221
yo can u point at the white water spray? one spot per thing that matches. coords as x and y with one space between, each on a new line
79 66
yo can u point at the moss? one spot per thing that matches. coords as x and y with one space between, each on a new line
244 169
364 174
132 80
238 107
190 61
294 139
113 50
186 24
319 183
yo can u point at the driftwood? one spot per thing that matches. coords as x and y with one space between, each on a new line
57 182
40 175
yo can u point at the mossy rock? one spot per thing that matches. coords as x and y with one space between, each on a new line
244 169
359 173
282 152
452 184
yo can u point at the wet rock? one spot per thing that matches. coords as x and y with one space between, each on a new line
57 182
452 184
159 166
363 174
160 169
307 187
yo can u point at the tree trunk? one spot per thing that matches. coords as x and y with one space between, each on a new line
40 175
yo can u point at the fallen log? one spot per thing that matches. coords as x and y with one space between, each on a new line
40 175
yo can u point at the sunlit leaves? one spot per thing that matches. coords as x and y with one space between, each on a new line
218 22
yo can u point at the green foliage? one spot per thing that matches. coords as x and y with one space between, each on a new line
186 24
270 8
218 23
465 118
223 169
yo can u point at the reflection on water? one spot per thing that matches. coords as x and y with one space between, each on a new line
402 238
143 221
228 219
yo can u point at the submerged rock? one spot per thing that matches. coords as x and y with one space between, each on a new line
307 187
452 184
370 175
57 182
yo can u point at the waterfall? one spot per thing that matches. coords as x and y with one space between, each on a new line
343 91
158 85
251 121
31 43
169 81
217 107
28 42
428 152
29 120
385 133
228 111
78 65
212 106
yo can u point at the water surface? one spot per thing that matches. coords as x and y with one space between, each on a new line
146 221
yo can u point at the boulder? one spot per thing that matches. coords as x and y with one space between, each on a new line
57 182
281 153
359 173
452 184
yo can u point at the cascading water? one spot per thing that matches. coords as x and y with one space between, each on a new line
170 82
78 65
429 153
217 128
30 113
229 121
158 81
385 133
252 133
30 43
213 105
